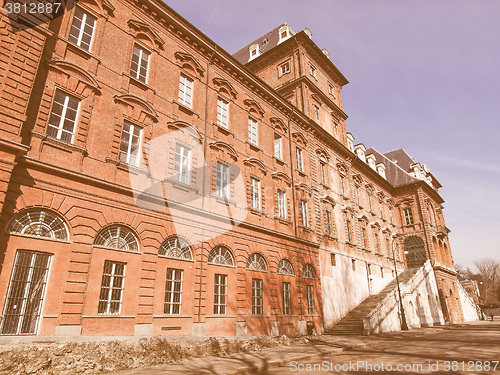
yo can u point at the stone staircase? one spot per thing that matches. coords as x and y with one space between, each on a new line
352 323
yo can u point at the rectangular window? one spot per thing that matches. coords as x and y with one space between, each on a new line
316 112
370 202
63 116
182 164
285 68
353 263
329 229
322 172
220 294
130 144
300 163
82 29
369 269
310 300
287 307
140 62
222 113
333 259
348 229
330 90
186 91
357 193
281 204
381 210
342 185
255 194
252 131
173 290
365 240
222 186
377 244
26 293
312 70
257 297
382 272
303 212
277 147
110 299
408 216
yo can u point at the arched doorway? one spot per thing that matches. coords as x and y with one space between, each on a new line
416 253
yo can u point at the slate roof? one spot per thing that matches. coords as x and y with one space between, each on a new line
396 174
272 38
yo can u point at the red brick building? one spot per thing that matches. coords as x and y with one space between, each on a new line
153 184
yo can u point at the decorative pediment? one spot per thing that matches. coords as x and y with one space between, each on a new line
299 138
303 188
390 202
255 164
370 188
317 98
185 59
375 224
76 74
185 126
142 29
224 85
329 200
283 177
387 231
342 167
137 108
225 148
358 179
102 6
404 201
363 218
278 125
322 154
381 195
254 107
347 210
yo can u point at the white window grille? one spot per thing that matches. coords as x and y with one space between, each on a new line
140 64
130 144
285 68
186 91
220 294
310 299
329 225
308 272
304 214
173 292
25 294
82 29
255 194
285 268
278 147
300 163
176 248
40 223
63 117
256 262
282 204
222 113
257 296
110 299
182 164
117 237
252 131
408 216
287 306
221 256
222 183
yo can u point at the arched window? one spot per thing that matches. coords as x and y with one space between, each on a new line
117 237
40 223
221 255
177 248
256 262
308 272
285 267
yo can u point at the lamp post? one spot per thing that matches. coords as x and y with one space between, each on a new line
404 325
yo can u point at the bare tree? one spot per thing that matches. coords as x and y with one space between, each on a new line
489 269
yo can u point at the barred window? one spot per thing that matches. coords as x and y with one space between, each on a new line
221 255
287 305
220 294
256 262
310 299
40 223
173 291
117 237
110 299
63 116
176 248
285 267
308 272
257 296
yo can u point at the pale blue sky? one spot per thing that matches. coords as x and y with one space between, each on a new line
424 75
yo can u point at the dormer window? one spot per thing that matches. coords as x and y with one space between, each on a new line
254 51
284 33
350 142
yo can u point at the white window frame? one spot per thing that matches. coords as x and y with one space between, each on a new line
281 204
220 294
322 171
310 299
285 68
278 147
81 30
257 297
316 111
287 300
129 143
254 193
144 55
186 90
114 288
304 213
58 127
182 164
223 113
300 161
253 131
173 291
408 215
222 180
312 70
329 228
